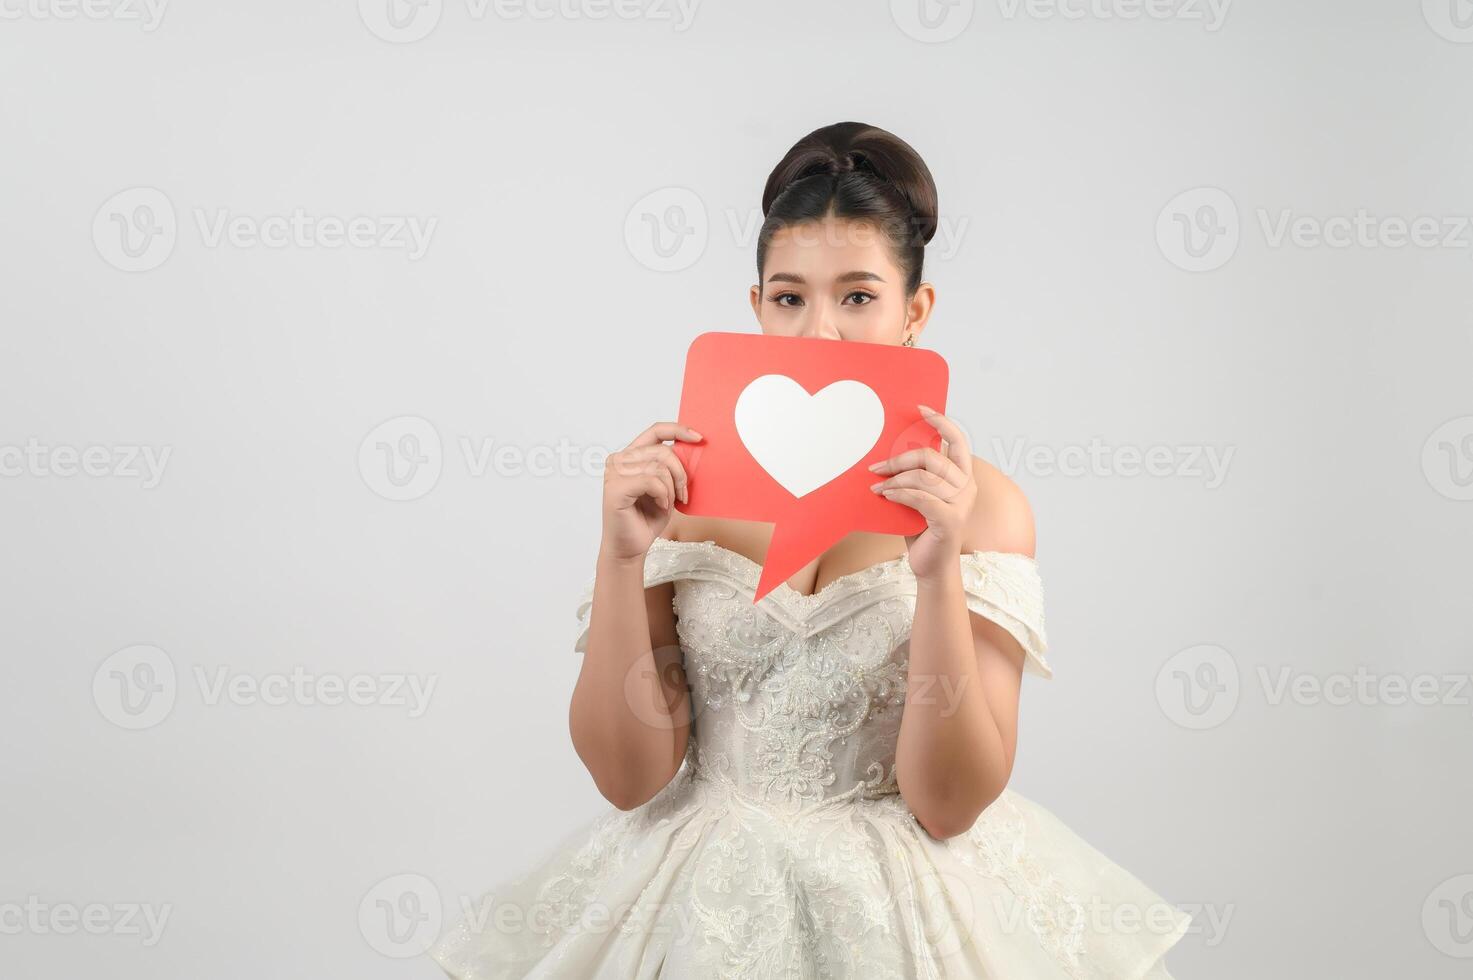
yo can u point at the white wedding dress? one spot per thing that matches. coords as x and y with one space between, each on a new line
782 848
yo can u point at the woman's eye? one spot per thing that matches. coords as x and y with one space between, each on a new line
859 298
781 299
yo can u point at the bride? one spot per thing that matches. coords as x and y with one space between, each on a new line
815 785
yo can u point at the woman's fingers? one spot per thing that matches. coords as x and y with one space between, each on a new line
656 486
924 458
953 464
930 506
927 461
661 431
919 479
676 468
634 474
667 482
648 454
953 439
637 461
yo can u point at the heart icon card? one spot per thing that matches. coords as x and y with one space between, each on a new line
791 425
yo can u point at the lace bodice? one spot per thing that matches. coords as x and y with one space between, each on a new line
797 699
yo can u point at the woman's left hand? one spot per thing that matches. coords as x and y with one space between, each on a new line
940 486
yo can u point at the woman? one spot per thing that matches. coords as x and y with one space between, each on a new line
814 785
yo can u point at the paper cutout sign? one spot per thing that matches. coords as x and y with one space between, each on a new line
791 425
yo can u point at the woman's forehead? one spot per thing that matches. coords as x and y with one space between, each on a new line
839 246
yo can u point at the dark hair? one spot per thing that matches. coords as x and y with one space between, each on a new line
850 170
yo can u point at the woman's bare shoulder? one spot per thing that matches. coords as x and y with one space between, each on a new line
684 527
1001 518
678 524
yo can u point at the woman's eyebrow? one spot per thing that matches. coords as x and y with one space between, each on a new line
859 275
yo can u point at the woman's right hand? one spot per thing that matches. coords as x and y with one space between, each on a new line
642 481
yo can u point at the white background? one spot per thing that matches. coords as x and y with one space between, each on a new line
1074 312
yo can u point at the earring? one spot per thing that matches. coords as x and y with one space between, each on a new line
909 341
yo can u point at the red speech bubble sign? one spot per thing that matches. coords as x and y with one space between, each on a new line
791 425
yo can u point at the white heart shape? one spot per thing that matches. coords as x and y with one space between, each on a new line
803 441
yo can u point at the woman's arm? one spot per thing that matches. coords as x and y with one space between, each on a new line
629 716
958 733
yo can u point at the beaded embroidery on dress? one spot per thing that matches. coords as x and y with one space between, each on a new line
782 849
